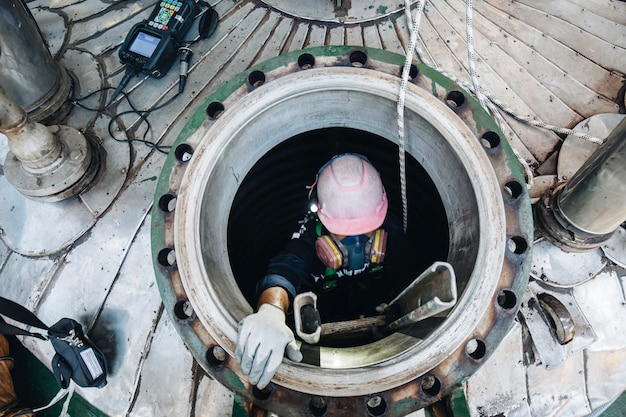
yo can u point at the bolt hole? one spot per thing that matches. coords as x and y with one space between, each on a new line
306 61
216 355
256 78
490 140
413 71
183 152
167 203
214 110
318 406
376 406
517 245
262 394
455 99
183 309
513 189
507 299
358 58
476 349
167 257
431 385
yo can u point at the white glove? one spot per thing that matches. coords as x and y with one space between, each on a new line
261 342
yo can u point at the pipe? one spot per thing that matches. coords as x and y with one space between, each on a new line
27 69
228 198
32 143
593 202
45 164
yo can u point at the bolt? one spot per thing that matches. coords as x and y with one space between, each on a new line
76 154
428 382
219 353
374 402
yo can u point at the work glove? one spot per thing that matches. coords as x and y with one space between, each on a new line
262 340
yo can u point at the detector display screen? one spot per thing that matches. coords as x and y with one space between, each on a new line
144 44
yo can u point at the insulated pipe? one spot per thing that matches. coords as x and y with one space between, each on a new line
27 69
594 200
32 143
45 164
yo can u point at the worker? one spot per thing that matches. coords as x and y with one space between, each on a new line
337 253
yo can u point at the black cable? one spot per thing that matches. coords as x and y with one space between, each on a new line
207 25
143 114
130 73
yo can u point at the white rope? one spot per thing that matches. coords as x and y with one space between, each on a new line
488 101
470 54
69 391
400 107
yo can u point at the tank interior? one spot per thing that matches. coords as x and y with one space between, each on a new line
273 198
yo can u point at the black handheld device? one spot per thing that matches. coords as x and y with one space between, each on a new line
151 46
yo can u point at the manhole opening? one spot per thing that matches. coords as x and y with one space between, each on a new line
272 199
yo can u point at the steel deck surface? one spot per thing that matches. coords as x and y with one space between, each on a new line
89 258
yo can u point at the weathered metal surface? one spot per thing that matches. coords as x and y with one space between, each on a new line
495 388
97 28
585 380
551 265
615 247
581 335
339 11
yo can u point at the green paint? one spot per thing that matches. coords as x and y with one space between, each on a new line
618 408
458 403
154 178
240 406
381 10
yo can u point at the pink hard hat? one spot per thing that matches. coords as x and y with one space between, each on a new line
351 196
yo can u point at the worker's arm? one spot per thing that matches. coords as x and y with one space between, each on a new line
276 296
263 338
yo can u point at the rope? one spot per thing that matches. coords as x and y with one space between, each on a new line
488 101
405 79
470 54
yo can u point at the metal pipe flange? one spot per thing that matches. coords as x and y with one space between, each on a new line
215 210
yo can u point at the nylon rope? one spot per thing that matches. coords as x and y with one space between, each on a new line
488 101
69 392
400 107
470 53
